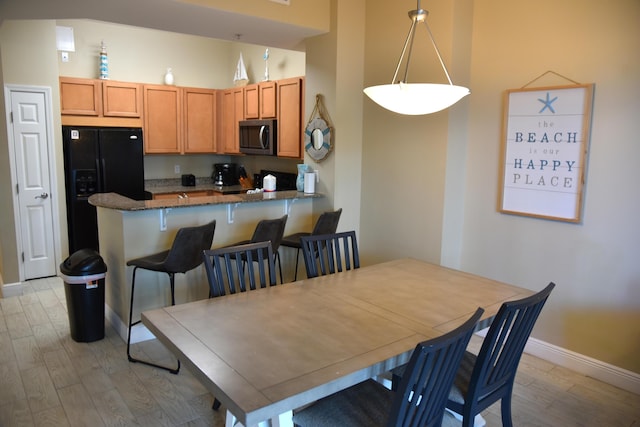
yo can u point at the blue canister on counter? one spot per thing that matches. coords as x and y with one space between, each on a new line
302 169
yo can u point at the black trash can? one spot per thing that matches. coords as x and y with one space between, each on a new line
83 275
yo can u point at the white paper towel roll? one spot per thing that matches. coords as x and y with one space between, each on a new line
269 183
310 182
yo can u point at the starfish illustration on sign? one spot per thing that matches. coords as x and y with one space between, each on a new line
547 103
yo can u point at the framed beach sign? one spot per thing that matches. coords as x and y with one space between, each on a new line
545 139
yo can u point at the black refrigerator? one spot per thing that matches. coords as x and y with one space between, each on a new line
99 160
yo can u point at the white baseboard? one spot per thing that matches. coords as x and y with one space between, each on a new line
597 369
585 365
138 333
11 290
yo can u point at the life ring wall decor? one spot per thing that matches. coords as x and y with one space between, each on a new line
318 133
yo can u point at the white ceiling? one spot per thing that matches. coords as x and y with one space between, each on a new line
168 15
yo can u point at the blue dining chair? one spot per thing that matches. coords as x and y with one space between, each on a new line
232 269
327 223
271 230
330 253
227 270
419 400
488 377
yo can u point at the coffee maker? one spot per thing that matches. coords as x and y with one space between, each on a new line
225 174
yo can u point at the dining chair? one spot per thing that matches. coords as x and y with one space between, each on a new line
268 230
327 223
419 400
488 377
226 271
184 255
330 253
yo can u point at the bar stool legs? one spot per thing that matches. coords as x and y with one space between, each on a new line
131 324
295 276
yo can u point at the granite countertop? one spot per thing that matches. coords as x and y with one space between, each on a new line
166 186
119 202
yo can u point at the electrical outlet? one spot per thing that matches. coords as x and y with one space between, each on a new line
176 169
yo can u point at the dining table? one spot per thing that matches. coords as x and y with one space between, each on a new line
266 352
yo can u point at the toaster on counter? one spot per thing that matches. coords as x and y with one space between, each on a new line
189 180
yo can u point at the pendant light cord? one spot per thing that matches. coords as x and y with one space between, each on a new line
418 15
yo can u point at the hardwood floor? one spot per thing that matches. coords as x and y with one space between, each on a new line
47 379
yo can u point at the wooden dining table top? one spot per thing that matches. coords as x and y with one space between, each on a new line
265 352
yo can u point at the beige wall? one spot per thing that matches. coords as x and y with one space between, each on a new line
595 310
404 157
143 55
334 71
430 184
28 58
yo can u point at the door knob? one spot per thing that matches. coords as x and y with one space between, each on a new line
42 196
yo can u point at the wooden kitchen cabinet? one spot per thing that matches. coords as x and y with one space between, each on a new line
281 99
251 102
232 112
80 97
199 120
93 102
162 119
290 114
260 101
121 99
268 100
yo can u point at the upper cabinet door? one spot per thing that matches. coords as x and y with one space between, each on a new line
232 113
93 102
80 97
251 102
267 98
290 117
260 101
120 99
162 119
199 120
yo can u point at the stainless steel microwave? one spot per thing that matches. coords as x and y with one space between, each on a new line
258 137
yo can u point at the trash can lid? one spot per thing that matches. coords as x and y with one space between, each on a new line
83 262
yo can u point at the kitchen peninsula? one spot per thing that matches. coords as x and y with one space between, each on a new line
130 229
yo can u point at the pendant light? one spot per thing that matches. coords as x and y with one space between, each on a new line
416 98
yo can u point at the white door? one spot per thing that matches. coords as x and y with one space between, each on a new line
30 142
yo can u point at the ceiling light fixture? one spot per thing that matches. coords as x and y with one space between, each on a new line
416 98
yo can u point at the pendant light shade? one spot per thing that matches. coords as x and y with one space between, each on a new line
416 98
